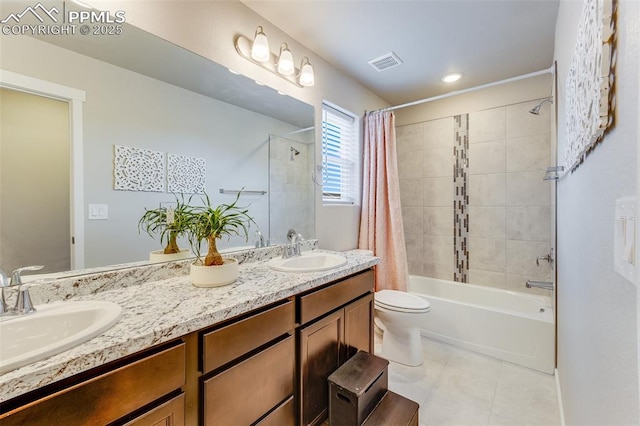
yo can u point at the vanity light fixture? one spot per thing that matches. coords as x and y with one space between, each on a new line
282 65
285 61
260 47
306 73
451 77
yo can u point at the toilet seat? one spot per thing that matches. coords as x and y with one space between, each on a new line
400 301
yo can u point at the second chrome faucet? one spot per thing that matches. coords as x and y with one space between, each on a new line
294 247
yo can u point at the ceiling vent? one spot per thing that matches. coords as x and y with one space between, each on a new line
385 62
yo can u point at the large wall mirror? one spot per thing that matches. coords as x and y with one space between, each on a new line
145 93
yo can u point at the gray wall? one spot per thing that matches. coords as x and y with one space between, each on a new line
597 334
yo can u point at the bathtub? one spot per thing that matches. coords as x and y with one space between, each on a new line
511 326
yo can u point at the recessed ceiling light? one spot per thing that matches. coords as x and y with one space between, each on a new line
450 78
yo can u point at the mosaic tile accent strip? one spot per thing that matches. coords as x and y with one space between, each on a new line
186 174
461 198
136 169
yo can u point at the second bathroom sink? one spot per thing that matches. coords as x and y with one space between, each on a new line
308 262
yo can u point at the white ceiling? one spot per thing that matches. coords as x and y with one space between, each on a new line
487 40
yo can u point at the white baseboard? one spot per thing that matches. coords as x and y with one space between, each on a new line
559 392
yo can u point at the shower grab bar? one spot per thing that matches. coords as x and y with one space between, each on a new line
236 191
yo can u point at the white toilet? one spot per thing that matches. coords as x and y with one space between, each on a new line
399 315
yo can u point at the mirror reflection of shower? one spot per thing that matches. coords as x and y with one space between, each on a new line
294 152
291 189
536 109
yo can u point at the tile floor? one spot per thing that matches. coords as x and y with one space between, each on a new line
458 387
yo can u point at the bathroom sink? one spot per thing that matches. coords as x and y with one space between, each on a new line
52 329
308 262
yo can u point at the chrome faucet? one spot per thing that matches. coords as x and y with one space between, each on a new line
16 276
23 302
260 241
546 285
294 248
4 282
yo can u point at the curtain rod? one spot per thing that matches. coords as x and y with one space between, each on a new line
470 89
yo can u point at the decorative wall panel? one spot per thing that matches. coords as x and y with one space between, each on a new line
186 174
136 169
589 110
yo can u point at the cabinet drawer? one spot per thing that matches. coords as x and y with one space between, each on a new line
284 415
109 396
236 339
171 413
247 391
319 302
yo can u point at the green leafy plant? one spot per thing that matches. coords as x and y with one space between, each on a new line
212 223
169 224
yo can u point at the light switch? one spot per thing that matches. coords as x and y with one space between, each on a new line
98 212
624 244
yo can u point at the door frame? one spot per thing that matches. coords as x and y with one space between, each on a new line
75 98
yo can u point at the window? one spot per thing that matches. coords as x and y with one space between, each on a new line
339 157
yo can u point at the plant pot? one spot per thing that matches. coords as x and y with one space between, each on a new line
159 256
215 276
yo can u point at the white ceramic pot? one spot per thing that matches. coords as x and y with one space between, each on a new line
215 276
159 256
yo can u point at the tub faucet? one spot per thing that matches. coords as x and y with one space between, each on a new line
294 248
546 285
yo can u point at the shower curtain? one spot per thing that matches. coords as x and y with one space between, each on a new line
381 228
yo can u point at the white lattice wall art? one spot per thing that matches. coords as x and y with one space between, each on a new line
589 110
186 174
136 169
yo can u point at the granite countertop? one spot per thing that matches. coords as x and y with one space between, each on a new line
157 309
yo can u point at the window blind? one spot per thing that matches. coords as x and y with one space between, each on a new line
339 157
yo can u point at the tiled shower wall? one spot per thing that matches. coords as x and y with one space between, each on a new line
509 213
291 188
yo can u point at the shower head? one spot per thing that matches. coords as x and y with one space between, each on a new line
536 109
293 152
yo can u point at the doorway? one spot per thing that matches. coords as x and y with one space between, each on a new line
34 182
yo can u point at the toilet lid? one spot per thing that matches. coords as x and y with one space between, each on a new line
401 301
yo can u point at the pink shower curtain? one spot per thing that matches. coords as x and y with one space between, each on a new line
381 227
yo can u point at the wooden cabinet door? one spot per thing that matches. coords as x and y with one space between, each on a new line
242 394
320 355
358 326
171 413
109 396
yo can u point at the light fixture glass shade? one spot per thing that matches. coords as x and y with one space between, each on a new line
285 61
306 73
260 49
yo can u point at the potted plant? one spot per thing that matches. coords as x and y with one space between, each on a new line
169 223
212 223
